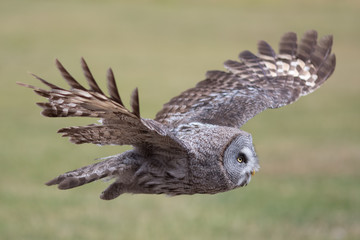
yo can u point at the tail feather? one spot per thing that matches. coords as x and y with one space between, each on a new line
111 167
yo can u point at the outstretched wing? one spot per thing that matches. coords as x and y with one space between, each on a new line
119 126
268 80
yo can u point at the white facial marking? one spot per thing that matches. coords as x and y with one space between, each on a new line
250 166
247 151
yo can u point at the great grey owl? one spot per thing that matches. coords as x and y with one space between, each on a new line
194 144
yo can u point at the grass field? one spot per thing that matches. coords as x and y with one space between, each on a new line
308 185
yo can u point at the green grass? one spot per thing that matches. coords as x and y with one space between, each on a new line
308 186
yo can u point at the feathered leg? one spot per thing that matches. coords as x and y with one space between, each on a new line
113 191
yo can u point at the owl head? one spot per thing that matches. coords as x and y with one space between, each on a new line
223 158
239 160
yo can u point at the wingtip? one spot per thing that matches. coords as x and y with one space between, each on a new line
22 84
265 49
290 35
327 41
110 76
247 55
84 65
58 63
311 32
60 66
62 69
135 103
332 63
53 181
82 62
112 87
26 85
110 72
333 59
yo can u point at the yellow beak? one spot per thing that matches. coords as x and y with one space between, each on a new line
252 172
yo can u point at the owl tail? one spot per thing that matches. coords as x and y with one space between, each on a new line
113 166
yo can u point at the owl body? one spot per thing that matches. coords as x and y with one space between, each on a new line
197 170
194 144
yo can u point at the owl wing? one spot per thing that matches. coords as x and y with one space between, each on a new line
256 83
118 125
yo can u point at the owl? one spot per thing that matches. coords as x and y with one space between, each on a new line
194 144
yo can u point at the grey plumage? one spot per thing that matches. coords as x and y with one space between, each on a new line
194 144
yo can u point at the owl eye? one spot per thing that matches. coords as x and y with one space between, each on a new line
241 158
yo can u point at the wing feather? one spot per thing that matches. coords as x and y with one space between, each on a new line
255 83
67 76
113 90
118 126
90 78
134 103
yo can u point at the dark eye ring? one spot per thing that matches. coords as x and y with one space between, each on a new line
241 158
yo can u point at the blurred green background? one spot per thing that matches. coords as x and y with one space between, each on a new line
308 185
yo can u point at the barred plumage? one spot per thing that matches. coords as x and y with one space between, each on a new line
194 144
267 80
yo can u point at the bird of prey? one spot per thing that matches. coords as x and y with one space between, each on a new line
194 144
